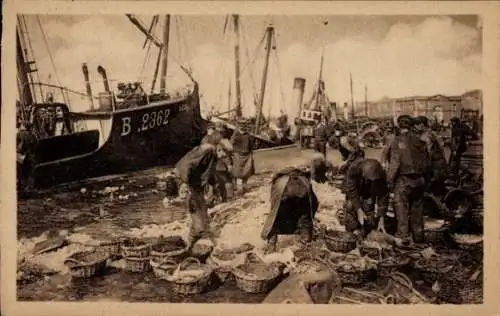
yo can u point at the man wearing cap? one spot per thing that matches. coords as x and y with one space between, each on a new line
367 197
197 170
243 161
321 136
224 166
408 172
438 160
459 134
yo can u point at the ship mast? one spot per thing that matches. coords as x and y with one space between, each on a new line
166 38
237 64
270 32
320 79
22 71
352 99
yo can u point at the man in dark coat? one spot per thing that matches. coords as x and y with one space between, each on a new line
224 187
321 136
367 196
320 167
460 132
409 171
197 170
438 160
293 206
243 163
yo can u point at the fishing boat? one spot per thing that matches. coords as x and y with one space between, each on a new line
264 134
311 112
128 130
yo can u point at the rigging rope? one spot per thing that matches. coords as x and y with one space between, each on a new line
50 55
252 62
279 73
146 59
179 39
32 53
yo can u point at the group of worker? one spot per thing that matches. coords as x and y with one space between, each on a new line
413 163
216 166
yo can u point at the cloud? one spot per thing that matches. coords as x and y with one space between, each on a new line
438 55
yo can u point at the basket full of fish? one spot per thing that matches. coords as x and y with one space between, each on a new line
86 264
172 247
256 276
353 269
225 259
189 277
338 241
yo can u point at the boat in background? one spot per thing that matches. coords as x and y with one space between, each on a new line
128 131
264 134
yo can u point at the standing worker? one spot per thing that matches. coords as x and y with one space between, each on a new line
224 180
408 173
438 160
367 197
197 170
293 206
321 136
243 163
459 134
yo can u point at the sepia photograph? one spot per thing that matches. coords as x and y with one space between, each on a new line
249 158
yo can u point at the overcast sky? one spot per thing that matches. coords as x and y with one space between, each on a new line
393 55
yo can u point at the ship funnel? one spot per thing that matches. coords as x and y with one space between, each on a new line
87 85
298 93
102 72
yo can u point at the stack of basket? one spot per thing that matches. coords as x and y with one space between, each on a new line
167 252
136 254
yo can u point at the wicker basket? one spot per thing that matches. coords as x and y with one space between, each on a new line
386 267
135 248
137 264
162 266
428 273
223 267
338 241
472 247
113 248
158 251
86 264
436 235
459 291
348 274
371 252
189 287
251 283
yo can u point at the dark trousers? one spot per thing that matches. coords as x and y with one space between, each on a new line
223 178
320 146
408 206
455 158
351 218
200 221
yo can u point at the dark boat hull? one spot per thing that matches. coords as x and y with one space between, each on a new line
157 134
259 141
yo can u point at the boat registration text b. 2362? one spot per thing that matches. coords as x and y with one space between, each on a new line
149 120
